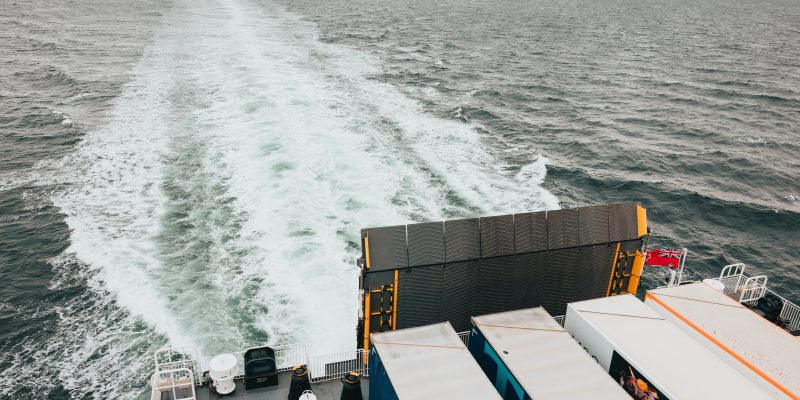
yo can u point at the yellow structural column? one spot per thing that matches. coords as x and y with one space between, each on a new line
394 300
367 298
638 261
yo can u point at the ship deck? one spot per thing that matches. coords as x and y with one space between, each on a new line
328 390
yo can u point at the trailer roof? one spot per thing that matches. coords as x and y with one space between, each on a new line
431 362
671 360
758 343
544 358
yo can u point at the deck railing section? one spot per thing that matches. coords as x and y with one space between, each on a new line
748 290
752 290
790 313
178 358
178 382
336 366
286 357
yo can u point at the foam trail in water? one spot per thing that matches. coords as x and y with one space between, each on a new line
223 201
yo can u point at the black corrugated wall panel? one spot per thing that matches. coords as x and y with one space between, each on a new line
528 285
462 240
623 222
387 247
494 285
460 268
559 281
459 293
562 229
593 272
419 296
426 244
497 236
530 232
593 225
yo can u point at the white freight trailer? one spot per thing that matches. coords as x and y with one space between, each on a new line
526 351
426 362
757 348
651 357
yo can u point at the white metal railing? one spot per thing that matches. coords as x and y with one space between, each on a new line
559 319
732 277
731 284
749 290
176 358
732 270
753 289
790 313
336 366
288 356
178 382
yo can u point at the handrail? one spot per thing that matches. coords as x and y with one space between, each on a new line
733 277
336 366
790 313
179 380
174 358
753 289
732 270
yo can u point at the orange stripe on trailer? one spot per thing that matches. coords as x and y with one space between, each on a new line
733 354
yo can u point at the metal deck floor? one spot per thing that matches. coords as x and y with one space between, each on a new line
329 390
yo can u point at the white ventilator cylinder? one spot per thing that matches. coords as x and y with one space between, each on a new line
308 395
222 368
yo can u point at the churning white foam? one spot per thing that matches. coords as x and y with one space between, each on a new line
223 200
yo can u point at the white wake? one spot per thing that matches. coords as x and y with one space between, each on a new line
222 203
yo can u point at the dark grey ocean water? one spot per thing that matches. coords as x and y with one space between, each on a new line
196 172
